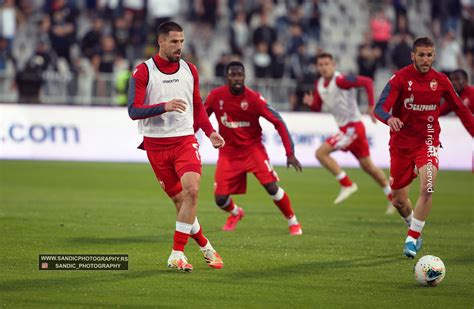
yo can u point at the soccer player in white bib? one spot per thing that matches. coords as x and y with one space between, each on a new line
164 97
334 93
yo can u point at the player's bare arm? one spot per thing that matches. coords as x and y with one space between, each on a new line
308 98
175 105
395 124
217 140
291 160
370 111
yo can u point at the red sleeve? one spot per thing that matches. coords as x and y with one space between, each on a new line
461 110
444 109
317 102
201 120
209 102
356 81
136 96
387 99
269 113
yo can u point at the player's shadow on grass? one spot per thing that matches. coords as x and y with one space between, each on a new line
118 240
316 267
79 278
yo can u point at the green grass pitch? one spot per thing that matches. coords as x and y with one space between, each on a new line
349 256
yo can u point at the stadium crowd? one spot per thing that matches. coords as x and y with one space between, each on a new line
90 47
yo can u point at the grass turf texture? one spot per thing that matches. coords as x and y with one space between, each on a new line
349 256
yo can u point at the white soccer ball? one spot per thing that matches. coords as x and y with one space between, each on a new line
429 270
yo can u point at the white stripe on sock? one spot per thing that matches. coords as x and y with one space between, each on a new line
408 219
341 175
292 221
279 195
195 227
183 227
417 225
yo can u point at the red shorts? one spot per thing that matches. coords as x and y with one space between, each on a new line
231 171
403 162
351 138
169 165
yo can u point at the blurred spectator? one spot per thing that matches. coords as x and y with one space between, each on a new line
121 34
29 81
402 27
137 38
239 34
401 52
367 60
449 53
381 28
90 43
5 55
264 32
162 11
278 65
62 31
219 69
122 79
262 60
296 38
105 62
445 15
467 33
300 64
8 22
314 23
110 9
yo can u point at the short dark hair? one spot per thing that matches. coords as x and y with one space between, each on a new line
232 64
423 41
324 55
462 72
166 27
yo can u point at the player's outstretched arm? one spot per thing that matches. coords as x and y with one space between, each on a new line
291 160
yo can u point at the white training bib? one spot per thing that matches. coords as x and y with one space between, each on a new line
163 87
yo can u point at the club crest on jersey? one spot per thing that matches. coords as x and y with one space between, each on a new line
433 84
221 104
244 105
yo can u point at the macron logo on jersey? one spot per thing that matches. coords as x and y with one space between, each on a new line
233 124
169 81
408 103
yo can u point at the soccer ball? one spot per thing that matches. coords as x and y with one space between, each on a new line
429 270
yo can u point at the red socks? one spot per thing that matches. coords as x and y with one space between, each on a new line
199 237
345 182
180 240
284 205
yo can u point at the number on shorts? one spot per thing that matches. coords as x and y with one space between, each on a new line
196 146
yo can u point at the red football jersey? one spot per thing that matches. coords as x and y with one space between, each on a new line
415 98
238 116
467 97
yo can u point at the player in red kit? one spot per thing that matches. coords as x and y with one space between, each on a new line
238 109
334 93
164 97
409 105
459 80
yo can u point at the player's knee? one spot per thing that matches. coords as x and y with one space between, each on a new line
221 200
398 201
271 188
191 190
320 154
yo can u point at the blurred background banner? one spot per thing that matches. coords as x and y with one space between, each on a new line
78 133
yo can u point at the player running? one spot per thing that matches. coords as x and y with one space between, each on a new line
409 105
334 93
164 97
238 109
